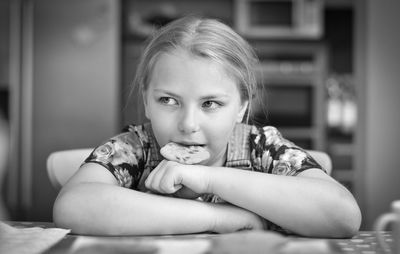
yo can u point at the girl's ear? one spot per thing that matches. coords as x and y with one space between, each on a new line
242 111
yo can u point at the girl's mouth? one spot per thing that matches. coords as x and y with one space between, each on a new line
190 144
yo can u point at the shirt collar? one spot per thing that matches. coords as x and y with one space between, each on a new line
154 155
238 155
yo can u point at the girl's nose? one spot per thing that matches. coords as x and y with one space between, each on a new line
188 122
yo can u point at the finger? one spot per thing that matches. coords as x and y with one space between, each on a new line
157 178
170 182
169 187
149 183
167 178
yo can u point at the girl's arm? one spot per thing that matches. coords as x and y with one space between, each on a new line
93 203
310 204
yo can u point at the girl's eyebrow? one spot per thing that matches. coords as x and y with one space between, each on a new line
166 92
207 97
216 96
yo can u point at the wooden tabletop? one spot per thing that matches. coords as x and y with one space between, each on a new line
365 242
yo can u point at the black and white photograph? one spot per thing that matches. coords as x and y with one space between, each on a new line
199 126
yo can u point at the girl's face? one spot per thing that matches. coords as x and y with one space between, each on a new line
192 101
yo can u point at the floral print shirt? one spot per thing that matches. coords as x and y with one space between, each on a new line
131 155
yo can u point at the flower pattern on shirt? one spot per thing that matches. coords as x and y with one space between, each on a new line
271 153
123 177
131 155
124 156
127 155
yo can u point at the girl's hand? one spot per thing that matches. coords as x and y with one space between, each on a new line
230 218
186 181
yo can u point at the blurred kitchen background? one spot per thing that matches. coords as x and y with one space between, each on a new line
66 68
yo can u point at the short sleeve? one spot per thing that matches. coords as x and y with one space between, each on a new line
122 155
271 153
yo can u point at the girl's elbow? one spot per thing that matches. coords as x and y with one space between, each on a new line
65 212
354 222
350 221
341 224
347 229
61 214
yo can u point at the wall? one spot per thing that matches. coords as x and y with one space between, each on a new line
381 117
4 16
75 84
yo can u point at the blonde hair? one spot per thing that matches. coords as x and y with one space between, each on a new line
208 38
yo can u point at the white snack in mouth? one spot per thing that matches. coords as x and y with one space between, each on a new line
184 154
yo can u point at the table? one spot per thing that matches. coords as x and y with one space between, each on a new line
365 242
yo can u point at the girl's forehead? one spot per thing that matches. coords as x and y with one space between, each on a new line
181 64
180 71
179 55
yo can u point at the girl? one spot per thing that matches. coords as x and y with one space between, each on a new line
197 80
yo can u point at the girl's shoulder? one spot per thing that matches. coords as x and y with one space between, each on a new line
125 154
269 136
271 152
132 137
139 133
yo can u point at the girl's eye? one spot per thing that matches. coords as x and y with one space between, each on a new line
211 105
168 101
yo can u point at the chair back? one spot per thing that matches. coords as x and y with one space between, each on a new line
61 165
